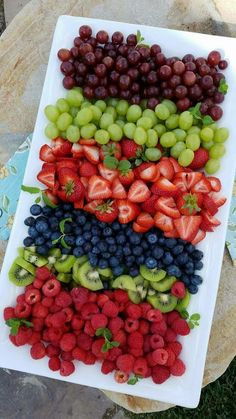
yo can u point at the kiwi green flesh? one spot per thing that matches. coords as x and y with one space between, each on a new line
30 248
21 251
164 302
34 258
134 297
107 272
55 252
165 284
26 265
66 278
65 263
89 277
20 276
124 282
183 303
152 275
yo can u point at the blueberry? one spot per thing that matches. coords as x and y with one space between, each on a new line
197 255
113 249
39 241
42 250
127 250
106 255
93 260
78 251
196 279
107 232
152 238
133 271
157 252
87 247
181 241
115 226
110 240
170 243
65 251
96 231
182 259
161 240
198 265
118 270
81 220
130 259
49 244
59 213
185 279
42 218
94 221
102 225
35 209
140 260
78 231
33 232
144 245
173 270
150 263
95 239
113 262
95 250
47 234
87 226
67 215
79 241
106 285
41 226
167 258
102 264
129 231
52 220
102 246
189 265
30 221
134 238
55 235
47 211
68 228
70 240
177 250
189 271
67 207
193 289
189 248
28 241
121 239
137 250
160 264
87 236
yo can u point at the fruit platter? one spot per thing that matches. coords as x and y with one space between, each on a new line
112 269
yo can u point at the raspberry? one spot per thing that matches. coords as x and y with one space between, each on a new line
79 354
107 366
176 347
9 313
52 350
28 287
170 335
42 273
20 298
181 327
84 341
133 311
58 319
131 325
173 315
92 298
38 324
121 296
145 308
54 308
110 309
143 327
120 337
146 344
32 296
115 325
76 322
154 315
23 335
159 327
79 295
88 329
125 363
178 368
140 367
89 310
39 311
135 340
156 341
178 289
54 334
68 342
45 335
47 320
38 351
63 299
109 294
97 347
171 357
67 368
54 363
67 356
150 361
22 310
69 313
113 354
34 338
38 283
136 352
13 340
47 301
121 377
78 306
51 288
160 356
101 300
98 321
90 359
120 307
160 374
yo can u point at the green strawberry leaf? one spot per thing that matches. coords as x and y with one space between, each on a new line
223 87
47 201
111 162
124 165
195 316
30 189
138 162
207 120
62 224
132 381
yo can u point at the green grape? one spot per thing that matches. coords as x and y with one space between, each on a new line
64 120
170 105
213 126
185 120
151 115
186 157
62 105
111 111
120 123
172 121
112 102
180 134
212 166
152 138
74 98
122 107
101 104
63 135
206 134
88 131
143 104
177 148
207 144
194 130
140 136
217 151
152 154
84 116
73 134
106 120
116 132
133 113
85 104
73 111
144 122
79 89
168 139
193 141
97 113
52 113
221 135
51 131
162 112
160 129
102 136
129 130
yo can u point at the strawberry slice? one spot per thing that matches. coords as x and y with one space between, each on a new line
106 173
176 166
46 154
202 186
145 220
72 189
173 234
138 191
91 153
79 204
88 141
67 163
209 205
99 188
47 177
166 168
163 222
215 183
181 184
210 219
84 181
167 206
118 190
149 173
189 204
127 177
92 205
49 166
218 200
128 211
140 168
106 212
188 226
61 147
189 178
77 150
49 198
199 237
138 228
164 187
149 205
87 169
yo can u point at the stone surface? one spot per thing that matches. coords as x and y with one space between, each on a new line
24 49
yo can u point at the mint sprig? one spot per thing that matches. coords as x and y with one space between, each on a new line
140 39
196 113
223 87
134 379
41 195
15 324
106 333
192 320
61 239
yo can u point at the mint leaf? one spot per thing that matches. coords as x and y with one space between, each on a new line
30 189
138 36
105 347
132 381
62 224
47 201
124 165
57 240
195 111
138 162
184 314
15 323
111 162
195 316
64 244
37 200
26 323
207 120
223 87
115 344
191 325
103 331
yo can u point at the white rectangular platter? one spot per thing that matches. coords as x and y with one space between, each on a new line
185 390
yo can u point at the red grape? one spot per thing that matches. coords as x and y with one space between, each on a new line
178 67
112 90
104 81
168 93
100 92
114 76
90 58
144 52
67 68
85 32
131 39
195 92
92 41
204 69
200 61
211 91
144 68
174 81
152 77
183 104
170 61
223 64
187 58
152 102
121 65
134 57
217 78
74 52
160 59
125 94
180 91
190 66
102 37
100 70
135 100
92 80
133 73
123 50
206 82
204 108
124 82
153 91
135 87
165 72
189 78
155 49
77 41
79 80
219 97
109 62
215 112
88 92
117 38
68 82
98 54
214 58
84 48
81 69
64 54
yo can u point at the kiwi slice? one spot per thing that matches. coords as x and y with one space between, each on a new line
53 256
32 249
19 275
26 265
124 282
134 296
89 277
21 251
153 275
142 289
183 303
75 270
165 284
66 278
107 272
34 258
65 263
164 302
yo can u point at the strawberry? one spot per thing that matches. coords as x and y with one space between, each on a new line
138 192
91 153
167 206
129 149
209 205
79 204
87 169
189 178
77 150
149 205
201 157
106 212
166 169
128 211
99 188
181 184
140 168
164 187
72 188
49 166
46 154
145 220
47 177
199 237
210 219
188 226
84 181
69 163
126 178
171 234
110 149
206 226
189 204
176 166
92 205
219 201
61 147
49 198
150 173
106 173
87 141
138 228
118 190
203 186
215 183
163 222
